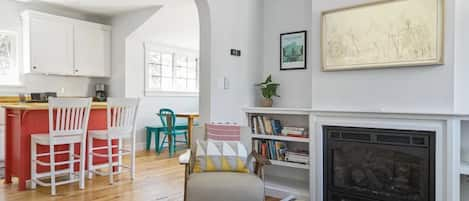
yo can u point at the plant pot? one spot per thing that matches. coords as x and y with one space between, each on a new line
267 102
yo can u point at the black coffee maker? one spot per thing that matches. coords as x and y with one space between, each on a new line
100 93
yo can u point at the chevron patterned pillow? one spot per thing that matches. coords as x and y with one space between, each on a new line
221 156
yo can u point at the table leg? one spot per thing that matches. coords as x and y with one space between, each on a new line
21 183
157 141
148 139
170 145
190 124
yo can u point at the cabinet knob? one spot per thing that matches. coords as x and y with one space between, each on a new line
34 67
76 70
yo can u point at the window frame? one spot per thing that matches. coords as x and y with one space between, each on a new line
151 46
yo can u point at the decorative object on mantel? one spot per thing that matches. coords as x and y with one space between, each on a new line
293 50
269 90
383 34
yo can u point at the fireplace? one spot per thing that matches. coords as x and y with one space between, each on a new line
366 164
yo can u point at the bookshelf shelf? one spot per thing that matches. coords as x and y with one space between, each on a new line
289 164
280 138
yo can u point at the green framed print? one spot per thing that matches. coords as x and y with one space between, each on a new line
293 47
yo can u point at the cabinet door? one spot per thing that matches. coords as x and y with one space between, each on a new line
51 46
92 50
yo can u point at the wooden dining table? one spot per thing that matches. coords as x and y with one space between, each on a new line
190 123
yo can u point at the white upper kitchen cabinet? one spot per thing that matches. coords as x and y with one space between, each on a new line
64 46
92 50
48 44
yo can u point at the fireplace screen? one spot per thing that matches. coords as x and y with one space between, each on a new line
362 164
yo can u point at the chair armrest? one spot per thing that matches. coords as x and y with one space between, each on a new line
260 160
259 164
185 158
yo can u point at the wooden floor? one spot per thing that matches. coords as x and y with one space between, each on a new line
158 178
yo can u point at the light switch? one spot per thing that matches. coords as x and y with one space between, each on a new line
226 83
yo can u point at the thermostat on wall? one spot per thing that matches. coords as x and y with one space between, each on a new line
235 52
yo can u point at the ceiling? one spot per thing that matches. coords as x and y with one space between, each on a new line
104 7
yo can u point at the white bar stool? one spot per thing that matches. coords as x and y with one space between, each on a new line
71 124
121 118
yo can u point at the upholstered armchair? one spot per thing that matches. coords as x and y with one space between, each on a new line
223 186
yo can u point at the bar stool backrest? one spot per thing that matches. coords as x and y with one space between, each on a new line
68 117
121 116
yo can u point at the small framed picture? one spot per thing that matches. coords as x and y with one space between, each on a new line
293 50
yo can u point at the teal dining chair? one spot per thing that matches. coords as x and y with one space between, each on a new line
167 115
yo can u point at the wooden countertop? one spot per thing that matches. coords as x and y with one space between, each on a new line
43 106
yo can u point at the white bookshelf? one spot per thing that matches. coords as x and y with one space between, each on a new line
285 178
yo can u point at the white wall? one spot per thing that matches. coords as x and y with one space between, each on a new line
232 24
73 86
429 89
122 26
282 16
173 24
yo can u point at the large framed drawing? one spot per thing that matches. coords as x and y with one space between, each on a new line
390 33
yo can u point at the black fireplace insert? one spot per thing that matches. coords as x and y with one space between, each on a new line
368 164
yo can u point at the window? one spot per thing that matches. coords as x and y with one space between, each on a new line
171 71
9 71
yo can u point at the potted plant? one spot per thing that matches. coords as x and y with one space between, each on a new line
269 90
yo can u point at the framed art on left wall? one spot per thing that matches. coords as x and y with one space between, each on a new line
293 47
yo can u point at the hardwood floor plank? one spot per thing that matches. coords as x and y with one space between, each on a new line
158 178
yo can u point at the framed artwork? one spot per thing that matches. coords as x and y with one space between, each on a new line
293 50
389 33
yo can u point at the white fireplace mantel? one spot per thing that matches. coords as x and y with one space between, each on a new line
447 126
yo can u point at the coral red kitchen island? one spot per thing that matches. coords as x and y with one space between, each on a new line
24 119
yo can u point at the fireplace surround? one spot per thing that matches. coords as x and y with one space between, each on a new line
370 164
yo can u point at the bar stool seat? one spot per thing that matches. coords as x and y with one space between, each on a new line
44 139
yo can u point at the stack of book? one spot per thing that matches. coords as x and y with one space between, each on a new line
295 132
271 149
297 157
265 125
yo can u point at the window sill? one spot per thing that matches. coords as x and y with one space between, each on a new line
149 93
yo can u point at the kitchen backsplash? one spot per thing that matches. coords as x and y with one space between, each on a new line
63 85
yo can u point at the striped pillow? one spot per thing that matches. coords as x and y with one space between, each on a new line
223 132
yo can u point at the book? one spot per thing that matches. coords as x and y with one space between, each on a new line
295 132
271 149
267 125
260 121
276 127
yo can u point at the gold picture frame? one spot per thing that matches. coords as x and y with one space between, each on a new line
345 46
